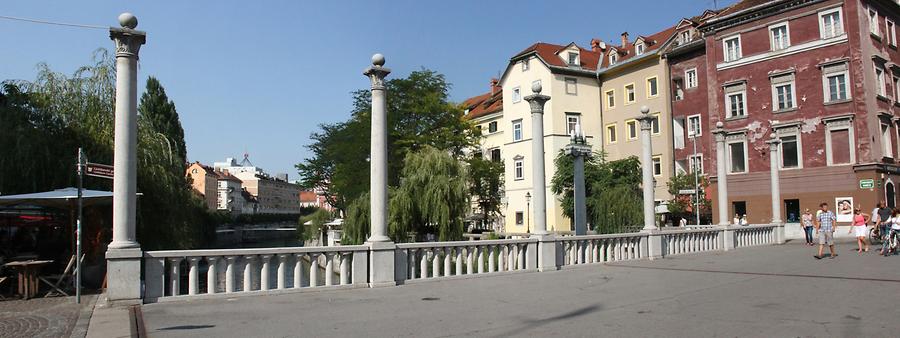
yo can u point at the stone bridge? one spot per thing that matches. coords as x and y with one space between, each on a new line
696 289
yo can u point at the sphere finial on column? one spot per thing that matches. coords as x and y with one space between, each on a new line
720 124
536 87
378 59
645 110
128 20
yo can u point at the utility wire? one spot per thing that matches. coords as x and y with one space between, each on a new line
52 23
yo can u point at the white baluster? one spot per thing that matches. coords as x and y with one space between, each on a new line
480 265
491 256
470 260
520 255
229 273
193 276
313 269
264 274
281 272
211 274
459 260
329 268
448 258
423 264
248 273
299 271
436 263
175 276
345 267
501 258
413 262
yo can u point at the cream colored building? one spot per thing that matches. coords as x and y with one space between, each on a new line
633 74
486 111
568 75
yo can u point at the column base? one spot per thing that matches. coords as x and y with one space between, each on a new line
779 232
123 275
654 244
381 264
548 259
727 238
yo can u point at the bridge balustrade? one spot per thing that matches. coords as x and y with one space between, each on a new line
754 235
439 260
590 249
677 242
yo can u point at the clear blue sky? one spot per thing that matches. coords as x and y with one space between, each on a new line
262 75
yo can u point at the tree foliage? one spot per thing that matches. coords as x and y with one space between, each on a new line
316 224
46 120
419 115
486 188
683 205
432 198
614 199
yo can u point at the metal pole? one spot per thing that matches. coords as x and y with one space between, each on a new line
80 166
696 181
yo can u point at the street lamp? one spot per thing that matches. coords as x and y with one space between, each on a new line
528 212
578 149
693 136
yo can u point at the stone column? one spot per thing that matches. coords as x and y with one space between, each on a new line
721 174
124 252
579 149
647 169
546 255
774 142
382 248
538 178
654 240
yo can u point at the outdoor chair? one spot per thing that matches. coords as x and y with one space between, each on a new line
62 281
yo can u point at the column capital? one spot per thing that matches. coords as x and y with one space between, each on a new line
128 41
646 121
377 72
719 132
537 100
773 142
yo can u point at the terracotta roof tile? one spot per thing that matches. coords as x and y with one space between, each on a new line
484 104
547 52
742 5
651 44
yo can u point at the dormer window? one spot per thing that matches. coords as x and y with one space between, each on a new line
685 36
573 59
639 48
613 58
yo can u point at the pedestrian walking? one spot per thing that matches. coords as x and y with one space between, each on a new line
806 223
859 230
825 230
884 214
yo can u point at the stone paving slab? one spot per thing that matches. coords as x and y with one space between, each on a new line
752 292
41 317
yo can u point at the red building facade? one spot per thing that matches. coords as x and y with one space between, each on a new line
821 75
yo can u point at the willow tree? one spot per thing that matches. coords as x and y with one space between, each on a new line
432 198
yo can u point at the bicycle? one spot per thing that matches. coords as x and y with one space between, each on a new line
890 243
874 235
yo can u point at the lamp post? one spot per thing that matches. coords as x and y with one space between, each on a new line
579 149
693 136
527 212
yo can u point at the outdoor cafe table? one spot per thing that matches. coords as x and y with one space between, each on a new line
28 275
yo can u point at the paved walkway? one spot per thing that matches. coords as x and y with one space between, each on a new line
765 291
45 317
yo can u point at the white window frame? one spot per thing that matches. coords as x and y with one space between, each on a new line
612 137
826 86
633 93
728 57
525 65
573 61
577 117
610 94
872 16
692 132
887 142
834 125
516 94
746 155
613 58
519 169
639 48
628 124
786 42
895 85
890 31
655 161
574 86
793 133
834 32
647 83
743 94
684 36
518 133
793 92
687 78
657 117
879 78
696 158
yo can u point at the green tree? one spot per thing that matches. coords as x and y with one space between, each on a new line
159 114
316 220
432 198
611 188
683 205
486 187
419 115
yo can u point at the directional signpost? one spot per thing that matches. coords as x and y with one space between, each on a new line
90 169
867 184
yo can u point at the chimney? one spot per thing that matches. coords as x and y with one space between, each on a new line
624 39
595 45
495 86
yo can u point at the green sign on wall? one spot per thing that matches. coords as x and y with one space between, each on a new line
866 184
